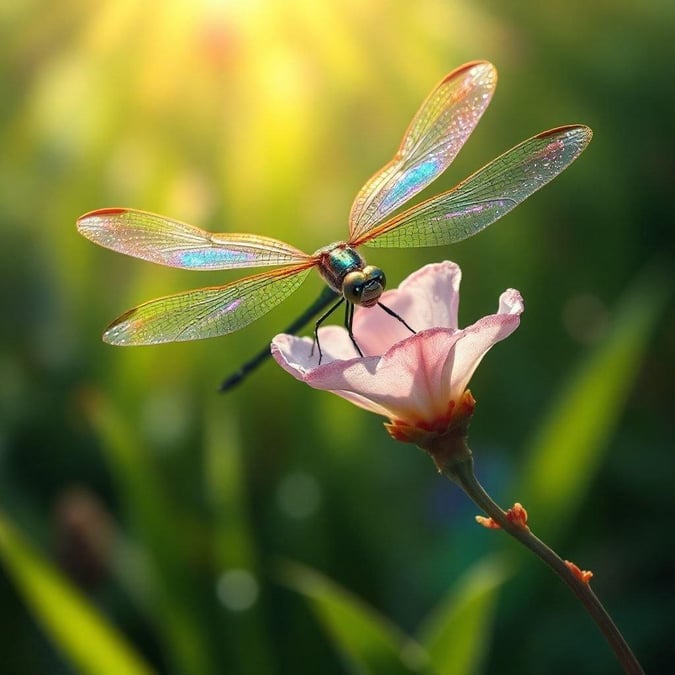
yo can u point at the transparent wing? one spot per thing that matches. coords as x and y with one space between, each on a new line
206 312
485 196
433 139
170 242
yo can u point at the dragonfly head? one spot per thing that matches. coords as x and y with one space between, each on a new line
364 287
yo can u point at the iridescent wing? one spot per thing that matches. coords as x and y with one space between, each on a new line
206 312
486 195
435 136
170 242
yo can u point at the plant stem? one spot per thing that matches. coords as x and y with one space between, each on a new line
461 472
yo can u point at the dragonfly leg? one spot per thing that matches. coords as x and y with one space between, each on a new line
349 320
318 323
391 312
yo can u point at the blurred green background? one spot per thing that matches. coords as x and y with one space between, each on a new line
149 524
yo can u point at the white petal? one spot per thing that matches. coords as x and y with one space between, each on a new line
511 302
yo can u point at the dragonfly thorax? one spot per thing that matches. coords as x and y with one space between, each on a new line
344 269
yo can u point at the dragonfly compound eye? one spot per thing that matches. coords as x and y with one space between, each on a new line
353 285
375 277
364 287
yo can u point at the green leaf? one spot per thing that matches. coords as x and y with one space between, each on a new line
79 631
367 641
569 446
457 633
170 593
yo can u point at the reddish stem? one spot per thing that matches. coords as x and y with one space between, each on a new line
461 472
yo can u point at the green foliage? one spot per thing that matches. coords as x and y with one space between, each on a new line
457 633
453 638
368 642
569 447
83 634
153 515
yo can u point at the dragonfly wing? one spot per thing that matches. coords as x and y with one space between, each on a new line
485 196
170 242
433 139
205 312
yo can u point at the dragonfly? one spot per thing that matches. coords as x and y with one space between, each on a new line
437 132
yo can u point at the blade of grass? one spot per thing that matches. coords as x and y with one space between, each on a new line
367 641
79 631
569 446
456 634
153 516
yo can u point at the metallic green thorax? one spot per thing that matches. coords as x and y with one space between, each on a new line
337 260
346 272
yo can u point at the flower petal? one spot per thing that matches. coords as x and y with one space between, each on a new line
428 298
299 355
294 354
420 377
436 291
476 340
511 302
406 382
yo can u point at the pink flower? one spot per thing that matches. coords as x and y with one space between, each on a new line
419 381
